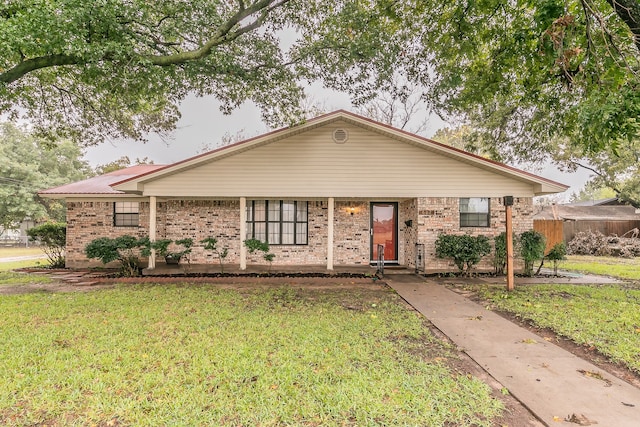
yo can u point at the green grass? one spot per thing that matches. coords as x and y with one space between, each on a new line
623 268
605 317
8 266
12 252
198 355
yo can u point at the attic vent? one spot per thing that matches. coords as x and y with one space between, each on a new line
340 136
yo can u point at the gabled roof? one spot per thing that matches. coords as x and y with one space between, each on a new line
132 179
100 185
542 185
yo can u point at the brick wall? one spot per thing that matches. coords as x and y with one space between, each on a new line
351 233
440 215
198 219
87 221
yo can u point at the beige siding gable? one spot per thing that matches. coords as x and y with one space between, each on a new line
311 164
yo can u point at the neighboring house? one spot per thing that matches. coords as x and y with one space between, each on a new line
562 222
325 192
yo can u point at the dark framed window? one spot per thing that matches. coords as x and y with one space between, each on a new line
475 212
278 222
126 214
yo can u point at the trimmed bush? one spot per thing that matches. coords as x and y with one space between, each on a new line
465 250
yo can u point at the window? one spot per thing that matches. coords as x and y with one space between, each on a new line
126 214
278 222
474 212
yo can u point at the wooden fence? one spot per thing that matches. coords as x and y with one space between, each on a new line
551 229
557 230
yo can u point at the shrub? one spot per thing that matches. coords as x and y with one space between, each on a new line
120 249
500 255
557 254
53 238
466 250
258 245
532 245
211 244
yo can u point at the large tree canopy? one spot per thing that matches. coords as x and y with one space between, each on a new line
524 73
527 73
119 68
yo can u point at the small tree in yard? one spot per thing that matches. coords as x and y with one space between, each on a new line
532 245
53 238
466 250
119 249
557 254
257 245
211 244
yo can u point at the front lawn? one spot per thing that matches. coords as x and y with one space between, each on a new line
623 268
200 355
605 317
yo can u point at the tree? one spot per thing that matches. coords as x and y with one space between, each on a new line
400 106
591 193
30 164
529 75
90 71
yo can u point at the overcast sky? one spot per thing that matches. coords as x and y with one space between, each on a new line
203 124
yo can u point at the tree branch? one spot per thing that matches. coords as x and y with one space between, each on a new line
33 64
225 34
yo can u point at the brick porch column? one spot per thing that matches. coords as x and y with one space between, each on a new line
153 214
330 209
243 232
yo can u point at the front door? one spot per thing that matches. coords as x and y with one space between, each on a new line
384 230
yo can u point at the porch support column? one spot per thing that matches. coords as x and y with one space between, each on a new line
508 203
243 232
330 209
153 225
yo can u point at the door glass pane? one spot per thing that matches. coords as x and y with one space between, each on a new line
383 220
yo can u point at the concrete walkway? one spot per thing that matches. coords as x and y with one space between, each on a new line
558 387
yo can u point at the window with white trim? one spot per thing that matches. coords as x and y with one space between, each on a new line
126 214
474 212
278 222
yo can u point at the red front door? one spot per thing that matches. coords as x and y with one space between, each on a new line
384 230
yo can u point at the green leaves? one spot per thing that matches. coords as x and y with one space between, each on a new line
28 165
466 250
